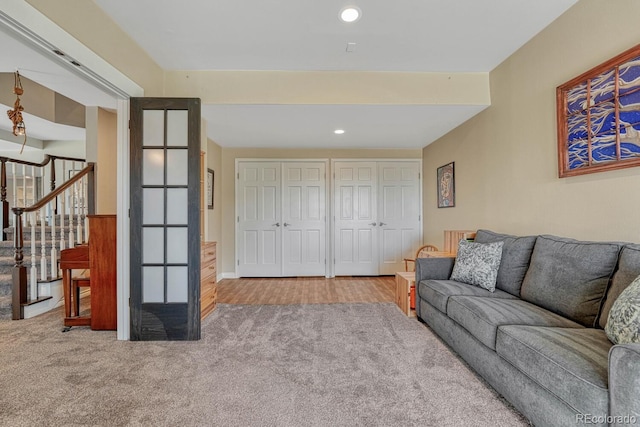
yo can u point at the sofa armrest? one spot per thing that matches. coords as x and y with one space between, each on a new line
434 268
624 383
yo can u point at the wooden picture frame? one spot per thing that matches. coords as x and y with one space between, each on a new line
598 117
209 188
446 186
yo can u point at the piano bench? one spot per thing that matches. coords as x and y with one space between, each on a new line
76 284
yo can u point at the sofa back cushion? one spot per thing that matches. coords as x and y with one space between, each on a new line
570 277
516 254
628 270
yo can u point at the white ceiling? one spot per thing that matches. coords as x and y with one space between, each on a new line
404 35
304 126
399 35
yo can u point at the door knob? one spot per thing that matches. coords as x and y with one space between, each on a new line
383 223
277 224
373 223
286 224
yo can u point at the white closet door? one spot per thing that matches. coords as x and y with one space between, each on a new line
259 223
355 203
398 214
303 219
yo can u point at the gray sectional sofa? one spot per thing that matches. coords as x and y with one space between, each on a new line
539 338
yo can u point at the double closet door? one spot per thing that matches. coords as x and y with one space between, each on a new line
377 208
281 216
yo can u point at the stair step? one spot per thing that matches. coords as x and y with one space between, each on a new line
6 283
5 307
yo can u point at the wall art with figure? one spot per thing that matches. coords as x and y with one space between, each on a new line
446 186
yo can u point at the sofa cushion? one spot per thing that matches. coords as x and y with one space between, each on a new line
570 277
628 270
437 292
482 316
477 264
516 255
623 325
570 363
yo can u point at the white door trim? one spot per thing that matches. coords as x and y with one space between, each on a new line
122 221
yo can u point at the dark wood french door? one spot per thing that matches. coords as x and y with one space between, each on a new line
165 218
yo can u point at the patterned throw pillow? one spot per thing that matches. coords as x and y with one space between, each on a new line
623 325
477 264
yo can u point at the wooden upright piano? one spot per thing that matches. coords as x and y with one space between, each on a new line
99 256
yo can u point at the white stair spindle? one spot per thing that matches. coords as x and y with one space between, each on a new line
24 186
15 192
85 195
54 252
33 276
79 233
71 192
33 185
63 220
43 251
72 237
43 189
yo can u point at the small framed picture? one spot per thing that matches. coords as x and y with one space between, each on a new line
210 182
446 186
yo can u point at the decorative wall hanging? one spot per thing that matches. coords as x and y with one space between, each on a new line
15 115
446 186
599 117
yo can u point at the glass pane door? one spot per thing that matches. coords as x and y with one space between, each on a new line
165 219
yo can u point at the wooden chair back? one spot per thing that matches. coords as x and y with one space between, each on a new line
420 253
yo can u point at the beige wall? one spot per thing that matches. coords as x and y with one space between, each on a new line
226 246
506 157
329 87
65 148
214 216
101 149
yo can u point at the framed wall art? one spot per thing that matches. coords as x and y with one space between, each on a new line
210 184
446 186
599 117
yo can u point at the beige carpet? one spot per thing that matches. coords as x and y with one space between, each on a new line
293 365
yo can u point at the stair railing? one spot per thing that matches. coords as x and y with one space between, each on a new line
77 196
37 171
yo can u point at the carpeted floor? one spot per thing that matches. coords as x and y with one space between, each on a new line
258 365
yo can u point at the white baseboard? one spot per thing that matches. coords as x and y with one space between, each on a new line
227 276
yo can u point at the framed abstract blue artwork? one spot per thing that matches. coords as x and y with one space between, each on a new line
599 117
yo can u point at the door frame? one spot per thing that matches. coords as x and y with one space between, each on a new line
332 248
327 208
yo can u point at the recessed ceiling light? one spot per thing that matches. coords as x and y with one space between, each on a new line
350 14
338 131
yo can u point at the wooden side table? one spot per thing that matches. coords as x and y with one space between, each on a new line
404 281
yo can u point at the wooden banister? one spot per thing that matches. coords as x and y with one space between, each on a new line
88 170
47 159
